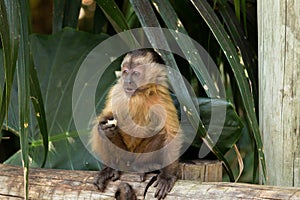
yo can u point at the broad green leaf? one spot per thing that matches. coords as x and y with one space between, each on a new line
232 127
147 18
227 46
57 66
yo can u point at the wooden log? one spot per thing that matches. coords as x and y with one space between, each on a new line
66 184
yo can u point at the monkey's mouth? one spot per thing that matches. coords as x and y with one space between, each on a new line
129 90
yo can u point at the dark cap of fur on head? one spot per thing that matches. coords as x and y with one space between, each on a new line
143 52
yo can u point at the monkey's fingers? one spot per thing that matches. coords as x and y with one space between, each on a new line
142 177
108 129
162 191
103 176
164 185
116 175
108 126
104 120
99 183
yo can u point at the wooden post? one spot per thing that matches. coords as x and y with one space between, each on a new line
279 83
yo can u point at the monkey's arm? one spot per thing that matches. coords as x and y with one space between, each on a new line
106 135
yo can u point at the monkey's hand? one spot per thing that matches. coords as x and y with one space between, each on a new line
107 126
104 175
164 184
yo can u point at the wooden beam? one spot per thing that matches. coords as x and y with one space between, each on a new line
67 184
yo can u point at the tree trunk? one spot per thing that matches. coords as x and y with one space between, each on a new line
279 82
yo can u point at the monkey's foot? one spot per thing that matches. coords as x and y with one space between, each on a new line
164 184
104 175
125 192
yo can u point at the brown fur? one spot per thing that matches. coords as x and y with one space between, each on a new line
150 106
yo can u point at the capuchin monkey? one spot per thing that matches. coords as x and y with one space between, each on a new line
139 117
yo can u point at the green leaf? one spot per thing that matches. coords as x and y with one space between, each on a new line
168 14
23 74
22 60
113 14
227 46
232 127
38 104
240 40
130 15
244 16
50 54
65 13
71 13
147 18
9 33
57 67
237 9
58 15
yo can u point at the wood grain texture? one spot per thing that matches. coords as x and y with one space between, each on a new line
67 184
279 85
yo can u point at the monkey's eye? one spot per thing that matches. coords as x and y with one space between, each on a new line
125 71
136 73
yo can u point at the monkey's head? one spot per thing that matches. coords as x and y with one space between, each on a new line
142 69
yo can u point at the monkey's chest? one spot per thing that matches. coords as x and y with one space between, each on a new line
132 143
144 145
140 123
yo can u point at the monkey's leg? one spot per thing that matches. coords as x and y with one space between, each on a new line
104 175
168 175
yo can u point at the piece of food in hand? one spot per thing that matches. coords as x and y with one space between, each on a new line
113 121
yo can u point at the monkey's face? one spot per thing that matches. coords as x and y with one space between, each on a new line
133 77
134 70
140 71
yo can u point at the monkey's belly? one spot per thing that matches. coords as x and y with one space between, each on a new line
143 145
